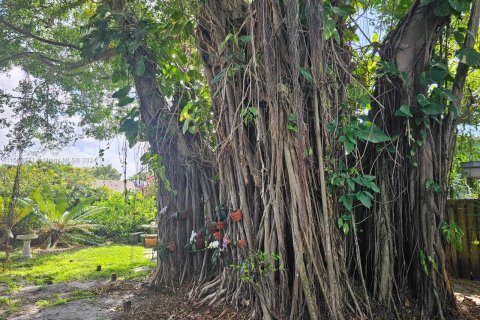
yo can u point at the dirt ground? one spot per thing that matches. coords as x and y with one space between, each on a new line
467 294
102 305
108 302
109 299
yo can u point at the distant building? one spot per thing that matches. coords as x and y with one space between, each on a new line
116 185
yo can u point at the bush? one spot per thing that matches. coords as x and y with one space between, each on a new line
123 216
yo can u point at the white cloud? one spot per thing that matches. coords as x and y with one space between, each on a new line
83 152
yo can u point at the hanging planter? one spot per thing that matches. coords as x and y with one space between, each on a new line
220 225
180 215
199 243
217 235
236 215
151 241
171 246
242 243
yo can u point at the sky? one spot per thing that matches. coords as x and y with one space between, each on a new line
82 153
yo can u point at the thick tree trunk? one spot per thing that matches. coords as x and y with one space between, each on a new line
183 177
408 255
262 163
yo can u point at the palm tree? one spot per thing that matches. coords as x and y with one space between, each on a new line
63 218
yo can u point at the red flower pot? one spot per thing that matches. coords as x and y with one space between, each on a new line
217 236
151 241
242 243
171 246
236 215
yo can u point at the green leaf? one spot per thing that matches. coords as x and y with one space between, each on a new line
347 201
445 93
332 126
374 187
328 28
403 111
219 76
435 74
422 100
459 37
433 108
372 133
306 74
124 101
351 184
375 38
443 9
123 92
346 228
389 67
469 56
365 198
340 222
423 261
348 144
343 10
460 5
245 39
140 68
222 45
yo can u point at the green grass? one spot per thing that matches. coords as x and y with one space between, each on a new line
77 265
12 305
55 301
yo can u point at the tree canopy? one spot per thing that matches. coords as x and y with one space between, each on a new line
335 143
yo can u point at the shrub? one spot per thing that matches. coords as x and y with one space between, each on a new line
122 216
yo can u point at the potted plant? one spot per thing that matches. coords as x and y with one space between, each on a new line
221 217
217 235
197 241
236 215
242 243
151 240
171 246
200 243
180 215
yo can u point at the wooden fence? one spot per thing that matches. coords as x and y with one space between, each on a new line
465 263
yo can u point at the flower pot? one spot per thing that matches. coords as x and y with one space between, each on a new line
236 215
217 236
242 243
180 215
212 227
220 225
171 246
151 241
200 243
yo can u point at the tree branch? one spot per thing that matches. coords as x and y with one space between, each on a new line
55 63
470 37
31 35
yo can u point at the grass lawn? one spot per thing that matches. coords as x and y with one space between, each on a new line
77 265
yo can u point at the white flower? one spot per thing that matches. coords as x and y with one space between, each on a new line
192 237
213 245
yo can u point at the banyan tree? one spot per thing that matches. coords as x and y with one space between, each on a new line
340 176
